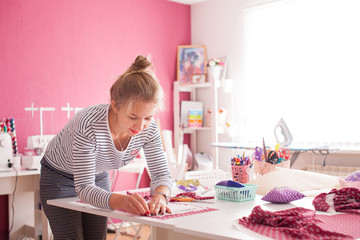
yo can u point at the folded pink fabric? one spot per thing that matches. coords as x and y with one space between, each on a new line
345 200
291 223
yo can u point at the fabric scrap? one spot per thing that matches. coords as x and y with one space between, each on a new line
293 223
345 200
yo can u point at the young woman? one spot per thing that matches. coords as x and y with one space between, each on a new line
100 138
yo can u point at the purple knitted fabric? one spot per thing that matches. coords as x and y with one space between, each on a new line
282 195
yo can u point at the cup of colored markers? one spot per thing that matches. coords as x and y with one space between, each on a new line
240 167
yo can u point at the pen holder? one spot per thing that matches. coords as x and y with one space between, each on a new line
262 167
241 173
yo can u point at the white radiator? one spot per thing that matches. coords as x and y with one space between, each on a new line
332 170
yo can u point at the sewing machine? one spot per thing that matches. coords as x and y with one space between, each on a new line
36 146
6 159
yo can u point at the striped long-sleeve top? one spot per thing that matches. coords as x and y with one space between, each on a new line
84 148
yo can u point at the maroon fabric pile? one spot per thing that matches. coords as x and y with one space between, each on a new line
345 200
289 224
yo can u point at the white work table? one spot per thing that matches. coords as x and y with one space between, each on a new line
8 178
217 224
26 221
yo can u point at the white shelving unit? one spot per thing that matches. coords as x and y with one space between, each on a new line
212 104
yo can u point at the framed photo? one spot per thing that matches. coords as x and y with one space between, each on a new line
198 78
191 60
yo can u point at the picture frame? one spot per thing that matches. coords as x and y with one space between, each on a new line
198 78
191 60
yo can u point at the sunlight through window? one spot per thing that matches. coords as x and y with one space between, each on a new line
302 64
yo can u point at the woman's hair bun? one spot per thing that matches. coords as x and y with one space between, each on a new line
141 63
138 82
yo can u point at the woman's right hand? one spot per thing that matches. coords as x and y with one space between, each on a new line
134 203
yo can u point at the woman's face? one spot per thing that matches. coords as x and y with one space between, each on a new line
135 117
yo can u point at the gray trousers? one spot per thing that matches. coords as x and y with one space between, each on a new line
65 223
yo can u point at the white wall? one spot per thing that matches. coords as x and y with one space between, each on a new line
218 24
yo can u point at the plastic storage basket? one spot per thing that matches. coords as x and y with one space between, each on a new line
243 194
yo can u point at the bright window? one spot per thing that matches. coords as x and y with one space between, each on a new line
302 64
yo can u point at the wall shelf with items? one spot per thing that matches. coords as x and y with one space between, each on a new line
180 130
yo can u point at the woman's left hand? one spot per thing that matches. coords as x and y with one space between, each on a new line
158 205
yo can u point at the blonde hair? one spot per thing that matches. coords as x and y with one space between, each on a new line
137 83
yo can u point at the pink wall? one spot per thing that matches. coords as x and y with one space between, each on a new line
58 52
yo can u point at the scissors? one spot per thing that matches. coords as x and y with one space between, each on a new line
272 157
190 188
283 153
258 153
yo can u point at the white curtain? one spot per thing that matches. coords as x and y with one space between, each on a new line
302 64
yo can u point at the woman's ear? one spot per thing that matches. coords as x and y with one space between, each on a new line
113 106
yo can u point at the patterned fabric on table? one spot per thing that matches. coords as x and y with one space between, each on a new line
144 194
301 223
345 200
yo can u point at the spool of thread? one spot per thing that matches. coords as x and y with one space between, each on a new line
8 126
15 146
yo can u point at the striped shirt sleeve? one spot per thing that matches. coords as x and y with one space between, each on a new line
156 159
84 166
